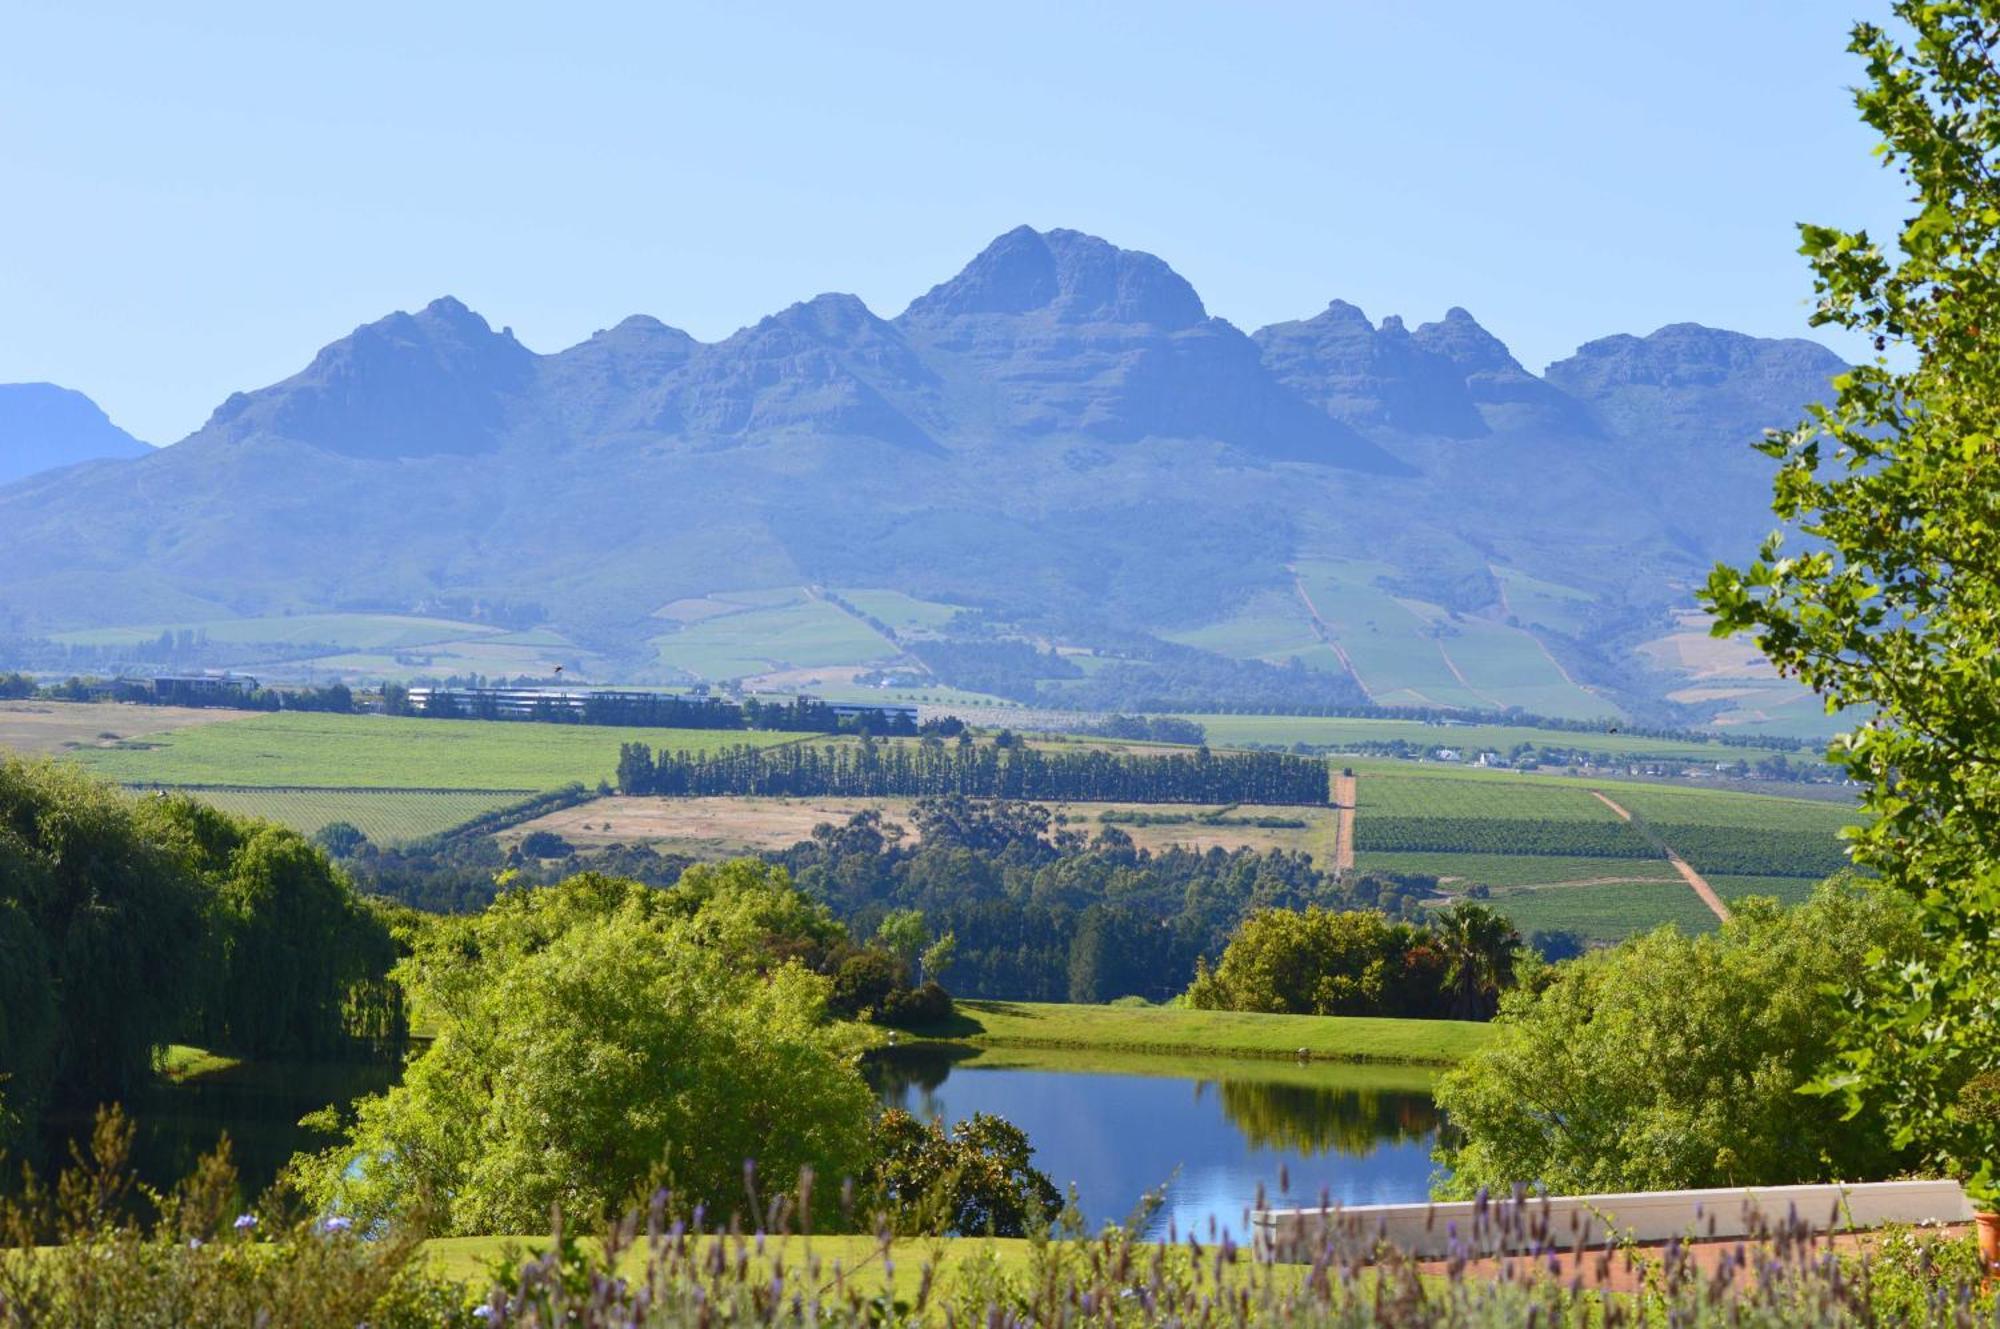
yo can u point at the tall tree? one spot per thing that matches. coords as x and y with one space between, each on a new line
1890 606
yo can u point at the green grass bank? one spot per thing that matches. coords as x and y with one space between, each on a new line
1165 1029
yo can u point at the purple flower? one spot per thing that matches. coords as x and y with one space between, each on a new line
337 1223
244 1222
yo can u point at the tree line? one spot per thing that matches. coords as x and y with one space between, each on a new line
1042 911
933 768
126 924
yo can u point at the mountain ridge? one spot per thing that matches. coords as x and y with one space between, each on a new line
1058 433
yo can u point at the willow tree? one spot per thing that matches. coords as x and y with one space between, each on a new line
1889 604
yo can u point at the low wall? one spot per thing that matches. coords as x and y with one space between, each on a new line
1538 1223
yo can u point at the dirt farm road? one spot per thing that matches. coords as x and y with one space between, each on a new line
1688 874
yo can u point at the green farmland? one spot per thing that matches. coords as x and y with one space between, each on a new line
1606 911
378 632
1556 856
387 817
738 635
295 748
1335 731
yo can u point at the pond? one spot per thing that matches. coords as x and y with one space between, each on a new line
256 1104
1210 1132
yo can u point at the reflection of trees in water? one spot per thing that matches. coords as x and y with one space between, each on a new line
900 1075
1315 1119
1306 1119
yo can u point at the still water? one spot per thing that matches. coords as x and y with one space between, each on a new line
1209 1133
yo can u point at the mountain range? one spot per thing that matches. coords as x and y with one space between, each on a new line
43 427
1061 438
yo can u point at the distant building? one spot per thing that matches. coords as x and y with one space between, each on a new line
892 712
527 703
202 689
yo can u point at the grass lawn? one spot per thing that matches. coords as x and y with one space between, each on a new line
392 752
181 1062
854 1255
1212 1033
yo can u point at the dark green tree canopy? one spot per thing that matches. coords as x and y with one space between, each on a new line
1890 602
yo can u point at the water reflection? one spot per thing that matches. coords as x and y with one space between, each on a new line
1211 1131
257 1105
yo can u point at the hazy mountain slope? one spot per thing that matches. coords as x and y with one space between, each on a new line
1688 403
1060 433
43 426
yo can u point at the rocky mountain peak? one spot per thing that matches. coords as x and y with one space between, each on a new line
1065 275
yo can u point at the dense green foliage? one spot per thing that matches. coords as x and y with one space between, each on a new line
1321 962
189 1262
972 1180
97 1250
1892 604
1673 1061
126 924
1042 915
600 1038
933 768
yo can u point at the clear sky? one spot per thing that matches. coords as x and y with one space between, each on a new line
194 198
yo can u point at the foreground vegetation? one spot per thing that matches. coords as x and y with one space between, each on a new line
192 1256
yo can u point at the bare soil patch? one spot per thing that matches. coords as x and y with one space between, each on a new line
746 825
54 727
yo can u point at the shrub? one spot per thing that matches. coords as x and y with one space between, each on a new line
915 1008
1671 1061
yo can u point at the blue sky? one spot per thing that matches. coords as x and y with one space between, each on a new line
198 197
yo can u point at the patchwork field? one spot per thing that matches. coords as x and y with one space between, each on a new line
387 752
361 631
1407 652
59 727
1556 856
1606 912
717 827
740 634
387 817
1332 731
903 613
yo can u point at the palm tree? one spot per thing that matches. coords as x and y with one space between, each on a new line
1480 947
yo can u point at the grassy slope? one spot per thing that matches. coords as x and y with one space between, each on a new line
377 751
385 818
1217 1033
805 633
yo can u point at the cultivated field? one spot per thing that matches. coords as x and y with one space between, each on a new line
387 817
1605 912
1555 856
61 727
361 631
903 613
1333 731
719 827
388 752
739 634
1410 653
